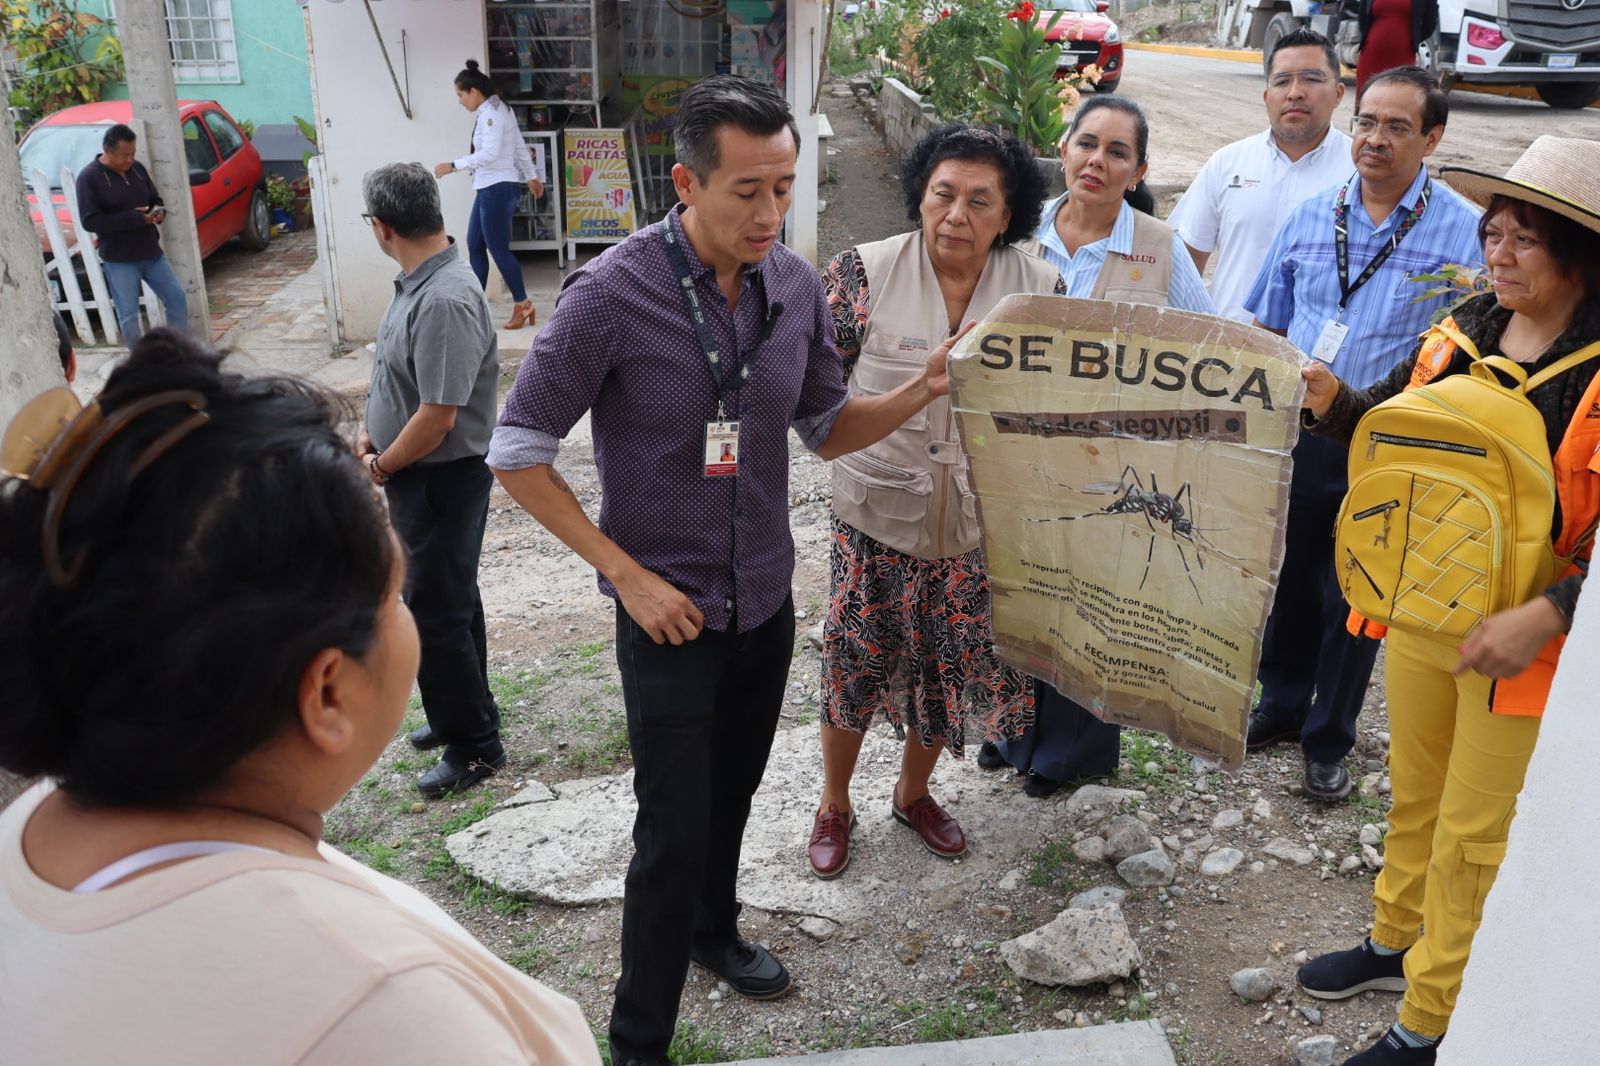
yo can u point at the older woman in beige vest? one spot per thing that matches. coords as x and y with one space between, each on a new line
908 630
1105 250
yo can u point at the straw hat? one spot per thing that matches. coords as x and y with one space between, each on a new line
1561 174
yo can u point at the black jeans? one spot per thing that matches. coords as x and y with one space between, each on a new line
1066 740
1313 672
701 717
439 511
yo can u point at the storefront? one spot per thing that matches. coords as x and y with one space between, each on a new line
595 84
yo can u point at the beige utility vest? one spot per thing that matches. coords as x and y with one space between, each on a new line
1143 276
909 491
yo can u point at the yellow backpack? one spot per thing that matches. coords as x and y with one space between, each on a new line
1452 497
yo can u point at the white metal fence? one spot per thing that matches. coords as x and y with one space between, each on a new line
65 260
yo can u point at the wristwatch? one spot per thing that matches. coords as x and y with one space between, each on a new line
377 471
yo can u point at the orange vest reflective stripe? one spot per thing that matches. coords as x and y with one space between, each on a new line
1576 465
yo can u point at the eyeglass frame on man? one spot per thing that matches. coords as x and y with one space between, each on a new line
369 218
1366 126
1313 78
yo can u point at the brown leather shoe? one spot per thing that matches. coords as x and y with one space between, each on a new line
940 833
829 850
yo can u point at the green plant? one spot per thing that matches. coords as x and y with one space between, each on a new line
308 130
65 55
947 53
882 32
1020 90
1460 283
279 194
248 128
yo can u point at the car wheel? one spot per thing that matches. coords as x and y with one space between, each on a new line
1568 95
1281 26
257 231
1108 86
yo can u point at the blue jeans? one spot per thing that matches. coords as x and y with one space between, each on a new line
125 279
489 233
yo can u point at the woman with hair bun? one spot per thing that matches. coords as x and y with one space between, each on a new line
205 648
500 164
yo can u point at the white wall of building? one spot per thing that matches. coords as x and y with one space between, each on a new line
1527 996
362 125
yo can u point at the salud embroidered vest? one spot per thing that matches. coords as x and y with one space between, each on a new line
910 491
1143 276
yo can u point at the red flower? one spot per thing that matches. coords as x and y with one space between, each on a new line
944 14
1023 12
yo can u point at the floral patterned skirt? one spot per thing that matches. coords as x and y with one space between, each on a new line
913 638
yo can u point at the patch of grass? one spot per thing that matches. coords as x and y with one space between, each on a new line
608 748
980 1016
693 1044
530 956
378 856
477 811
519 692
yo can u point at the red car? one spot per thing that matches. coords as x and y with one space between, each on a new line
1086 37
225 175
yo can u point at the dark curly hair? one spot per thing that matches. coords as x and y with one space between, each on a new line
1024 182
210 579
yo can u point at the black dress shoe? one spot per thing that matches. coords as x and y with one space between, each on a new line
750 969
453 777
1325 781
1039 786
423 738
989 757
1265 731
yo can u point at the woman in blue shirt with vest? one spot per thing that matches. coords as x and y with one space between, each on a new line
500 164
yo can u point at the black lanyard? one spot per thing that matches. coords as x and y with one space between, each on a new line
1341 240
702 327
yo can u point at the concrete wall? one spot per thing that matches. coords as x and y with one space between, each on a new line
274 74
904 117
361 125
1526 997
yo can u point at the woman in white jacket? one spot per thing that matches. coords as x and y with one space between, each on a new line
500 163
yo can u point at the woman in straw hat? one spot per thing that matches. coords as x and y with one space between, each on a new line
1456 770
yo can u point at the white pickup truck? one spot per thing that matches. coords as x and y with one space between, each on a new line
1553 46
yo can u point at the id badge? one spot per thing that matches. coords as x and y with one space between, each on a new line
1330 341
722 449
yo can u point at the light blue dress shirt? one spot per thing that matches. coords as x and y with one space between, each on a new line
1298 287
1186 291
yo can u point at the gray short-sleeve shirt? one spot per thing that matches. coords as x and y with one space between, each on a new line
436 344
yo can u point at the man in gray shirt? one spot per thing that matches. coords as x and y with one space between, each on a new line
430 413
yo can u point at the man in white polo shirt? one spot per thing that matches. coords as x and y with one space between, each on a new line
1240 198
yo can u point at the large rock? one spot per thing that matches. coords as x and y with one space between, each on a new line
1098 801
1103 896
1229 819
1082 946
1148 869
1316 1051
1221 862
1125 836
1253 985
1288 851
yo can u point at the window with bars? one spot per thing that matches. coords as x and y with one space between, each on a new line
200 35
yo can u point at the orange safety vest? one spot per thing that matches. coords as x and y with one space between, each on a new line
1576 464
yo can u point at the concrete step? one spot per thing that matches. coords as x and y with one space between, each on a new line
1121 1044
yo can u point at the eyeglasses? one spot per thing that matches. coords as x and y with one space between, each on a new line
1362 126
1312 78
369 218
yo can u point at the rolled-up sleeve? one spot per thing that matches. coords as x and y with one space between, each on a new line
822 393
559 380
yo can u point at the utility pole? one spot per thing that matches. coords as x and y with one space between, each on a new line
147 57
29 363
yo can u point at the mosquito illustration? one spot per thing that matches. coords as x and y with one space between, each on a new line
1156 507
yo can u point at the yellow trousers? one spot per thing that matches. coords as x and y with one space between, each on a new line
1456 769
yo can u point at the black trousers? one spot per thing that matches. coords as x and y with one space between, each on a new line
1066 740
1313 673
439 511
701 718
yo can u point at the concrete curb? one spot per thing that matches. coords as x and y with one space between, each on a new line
1118 1044
1252 56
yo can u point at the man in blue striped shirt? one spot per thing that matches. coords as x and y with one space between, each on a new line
1339 282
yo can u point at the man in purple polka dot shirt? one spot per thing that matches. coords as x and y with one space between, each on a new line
691 341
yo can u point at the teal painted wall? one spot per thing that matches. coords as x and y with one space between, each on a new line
274 74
